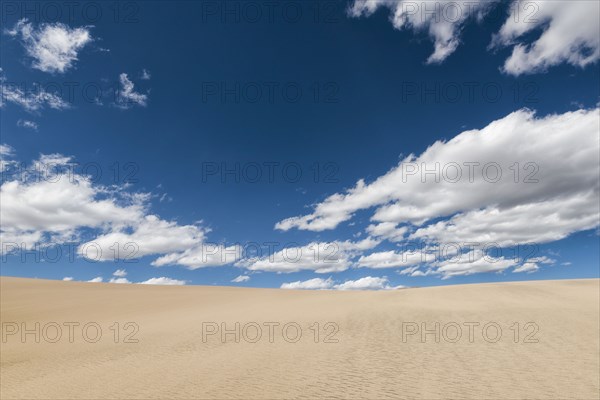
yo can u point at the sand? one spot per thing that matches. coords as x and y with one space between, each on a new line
367 345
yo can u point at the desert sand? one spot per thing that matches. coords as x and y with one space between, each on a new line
352 345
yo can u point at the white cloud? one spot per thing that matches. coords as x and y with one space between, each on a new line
6 150
68 278
532 264
392 259
54 47
127 97
119 280
120 273
27 124
146 74
528 267
55 204
569 35
163 281
32 100
441 19
311 284
388 230
557 186
476 261
201 256
51 203
320 257
367 283
241 278
555 219
569 29
150 235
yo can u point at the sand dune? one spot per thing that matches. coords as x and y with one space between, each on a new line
352 344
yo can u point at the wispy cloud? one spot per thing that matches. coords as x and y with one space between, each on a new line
30 100
23 123
241 278
127 97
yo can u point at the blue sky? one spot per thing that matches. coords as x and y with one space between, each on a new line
335 91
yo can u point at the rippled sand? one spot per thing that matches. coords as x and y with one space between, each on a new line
351 344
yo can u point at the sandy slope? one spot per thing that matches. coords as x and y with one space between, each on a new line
372 359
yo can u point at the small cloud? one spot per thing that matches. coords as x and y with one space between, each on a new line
120 273
119 280
528 267
146 74
68 278
22 123
97 279
311 284
367 283
6 150
127 97
163 281
241 278
53 47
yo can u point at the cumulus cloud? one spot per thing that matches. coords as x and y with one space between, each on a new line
388 230
484 186
569 29
120 273
569 35
127 96
23 123
446 264
311 284
119 280
476 261
241 278
163 281
49 202
393 259
53 47
532 264
527 267
56 205
68 278
201 256
557 161
34 210
442 20
365 283
150 235
320 257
